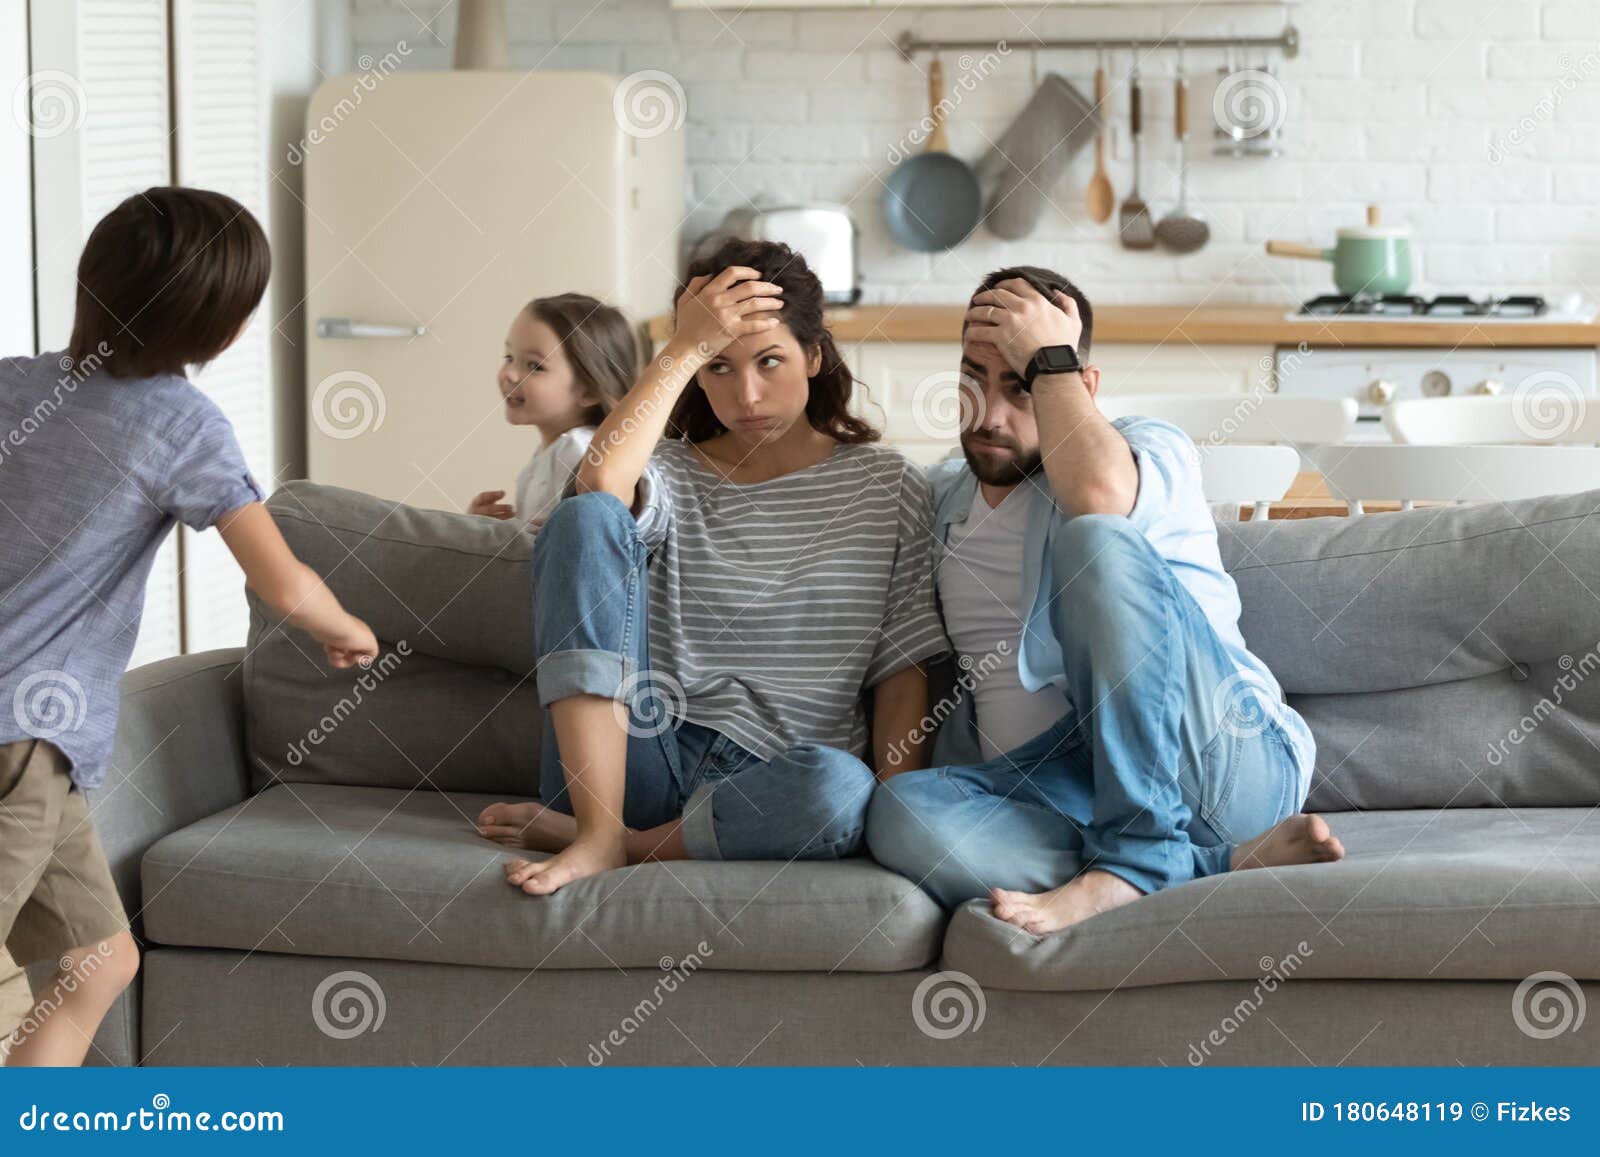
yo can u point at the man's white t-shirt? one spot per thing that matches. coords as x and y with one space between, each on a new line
980 589
544 480
1170 510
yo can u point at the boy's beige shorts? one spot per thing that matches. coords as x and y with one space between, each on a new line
56 892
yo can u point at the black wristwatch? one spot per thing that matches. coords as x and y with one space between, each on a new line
1051 359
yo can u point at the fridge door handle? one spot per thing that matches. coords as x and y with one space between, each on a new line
344 327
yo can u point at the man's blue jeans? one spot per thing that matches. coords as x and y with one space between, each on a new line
1153 777
590 625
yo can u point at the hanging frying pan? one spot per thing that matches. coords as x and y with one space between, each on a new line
932 201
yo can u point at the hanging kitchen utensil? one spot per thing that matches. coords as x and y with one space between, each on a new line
1246 105
994 164
1375 260
1269 142
1052 128
932 201
1102 198
1180 230
1134 220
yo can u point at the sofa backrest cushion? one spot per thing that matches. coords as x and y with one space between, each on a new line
1442 656
450 703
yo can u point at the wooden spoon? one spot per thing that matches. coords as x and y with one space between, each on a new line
1102 197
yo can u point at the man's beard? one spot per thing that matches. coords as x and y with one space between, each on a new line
1000 472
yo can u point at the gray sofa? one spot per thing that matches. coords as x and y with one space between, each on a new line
298 846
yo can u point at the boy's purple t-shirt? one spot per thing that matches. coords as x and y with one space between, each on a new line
94 471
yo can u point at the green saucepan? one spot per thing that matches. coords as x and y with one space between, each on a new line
1371 259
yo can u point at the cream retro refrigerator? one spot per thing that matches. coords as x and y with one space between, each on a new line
436 205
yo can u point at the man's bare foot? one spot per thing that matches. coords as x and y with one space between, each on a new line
1088 894
587 856
527 825
1301 839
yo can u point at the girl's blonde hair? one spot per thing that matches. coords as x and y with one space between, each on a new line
599 343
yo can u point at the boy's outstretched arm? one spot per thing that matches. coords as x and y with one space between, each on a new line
293 589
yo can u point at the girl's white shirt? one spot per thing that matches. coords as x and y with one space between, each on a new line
545 479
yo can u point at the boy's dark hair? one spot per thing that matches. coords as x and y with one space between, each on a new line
167 280
599 344
828 406
1047 282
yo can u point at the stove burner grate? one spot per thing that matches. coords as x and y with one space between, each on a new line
1411 305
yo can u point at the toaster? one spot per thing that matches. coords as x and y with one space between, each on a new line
821 232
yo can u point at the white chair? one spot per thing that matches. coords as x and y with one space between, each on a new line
1231 476
1239 424
1255 417
1552 413
1369 473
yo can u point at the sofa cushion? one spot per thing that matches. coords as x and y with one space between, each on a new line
1441 656
450 703
1459 894
1521 737
1417 597
325 870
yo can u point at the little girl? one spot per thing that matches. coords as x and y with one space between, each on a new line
568 359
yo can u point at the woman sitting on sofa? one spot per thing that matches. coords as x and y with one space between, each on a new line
714 609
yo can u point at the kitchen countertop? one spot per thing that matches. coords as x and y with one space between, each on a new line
1210 325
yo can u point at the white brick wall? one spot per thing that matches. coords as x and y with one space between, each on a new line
1478 121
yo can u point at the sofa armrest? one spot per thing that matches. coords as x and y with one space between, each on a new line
179 757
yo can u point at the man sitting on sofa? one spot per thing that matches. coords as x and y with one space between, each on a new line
1115 735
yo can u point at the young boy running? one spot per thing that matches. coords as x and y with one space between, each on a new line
103 447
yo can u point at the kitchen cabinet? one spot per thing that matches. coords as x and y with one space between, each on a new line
907 388
1127 367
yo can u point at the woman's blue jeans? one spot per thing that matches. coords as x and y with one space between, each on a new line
590 624
1169 761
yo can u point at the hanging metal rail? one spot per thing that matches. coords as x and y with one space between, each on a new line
1288 42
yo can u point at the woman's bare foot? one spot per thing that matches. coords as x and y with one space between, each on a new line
587 856
1301 839
1088 894
527 825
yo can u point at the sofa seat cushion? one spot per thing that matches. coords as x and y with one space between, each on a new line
323 870
1462 894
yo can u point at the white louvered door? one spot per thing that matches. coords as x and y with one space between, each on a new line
219 88
101 70
16 190
100 132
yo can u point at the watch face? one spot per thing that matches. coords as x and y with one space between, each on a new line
1055 359
1058 359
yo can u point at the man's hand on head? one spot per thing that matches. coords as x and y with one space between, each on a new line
1020 321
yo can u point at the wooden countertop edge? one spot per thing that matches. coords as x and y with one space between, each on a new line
1207 325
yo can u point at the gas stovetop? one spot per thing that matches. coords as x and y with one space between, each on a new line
1517 307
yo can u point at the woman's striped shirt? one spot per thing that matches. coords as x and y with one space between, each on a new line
774 605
